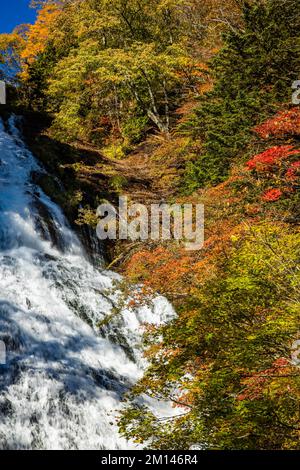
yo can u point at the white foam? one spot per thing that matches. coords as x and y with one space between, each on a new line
62 384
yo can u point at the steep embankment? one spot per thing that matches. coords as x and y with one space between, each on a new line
80 176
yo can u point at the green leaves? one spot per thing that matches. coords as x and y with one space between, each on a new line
232 353
115 61
253 72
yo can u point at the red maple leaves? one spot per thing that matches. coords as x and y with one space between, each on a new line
293 171
284 123
266 160
272 195
254 385
275 163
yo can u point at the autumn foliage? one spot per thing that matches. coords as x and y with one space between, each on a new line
224 353
284 124
269 158
206 118
37 35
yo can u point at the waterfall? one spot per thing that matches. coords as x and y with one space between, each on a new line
63 380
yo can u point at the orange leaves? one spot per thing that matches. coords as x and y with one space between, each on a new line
10 47
281 362
38 35
185 111
256 384
240 201
11 41
272 195
162 269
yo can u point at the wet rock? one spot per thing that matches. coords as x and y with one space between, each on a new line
46 226
6 408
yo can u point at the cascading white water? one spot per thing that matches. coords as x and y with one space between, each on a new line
62 382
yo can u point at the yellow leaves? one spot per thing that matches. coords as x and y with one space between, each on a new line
10 47
234 238
89 22
251 337
152 350
10 40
